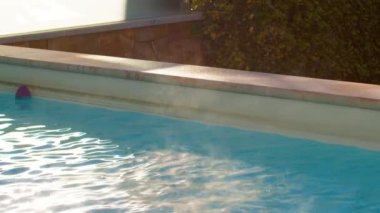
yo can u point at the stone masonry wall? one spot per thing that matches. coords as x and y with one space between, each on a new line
169 42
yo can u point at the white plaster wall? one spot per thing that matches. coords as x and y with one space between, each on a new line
22 16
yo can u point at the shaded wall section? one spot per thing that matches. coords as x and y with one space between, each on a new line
168 42
152 8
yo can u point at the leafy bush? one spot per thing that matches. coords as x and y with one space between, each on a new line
336 39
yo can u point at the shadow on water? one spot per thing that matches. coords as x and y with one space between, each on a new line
23 103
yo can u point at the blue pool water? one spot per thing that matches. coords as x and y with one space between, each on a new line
61 157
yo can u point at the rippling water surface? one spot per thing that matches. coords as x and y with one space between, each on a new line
60 157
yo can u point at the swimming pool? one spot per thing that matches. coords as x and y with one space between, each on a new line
59 156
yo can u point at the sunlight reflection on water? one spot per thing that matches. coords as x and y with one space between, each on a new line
61 157
60 169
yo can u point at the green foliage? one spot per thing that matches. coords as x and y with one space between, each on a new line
336 39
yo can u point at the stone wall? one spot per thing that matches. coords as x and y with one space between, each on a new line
169 43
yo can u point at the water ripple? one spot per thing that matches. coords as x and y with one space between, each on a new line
46 169
60 157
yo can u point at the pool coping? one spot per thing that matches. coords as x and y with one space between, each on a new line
101 27
256 83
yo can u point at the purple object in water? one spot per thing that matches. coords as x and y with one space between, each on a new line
23 92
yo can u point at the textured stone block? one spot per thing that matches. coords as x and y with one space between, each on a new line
143 50
180 31
79 43
192 51
170 43
39 44
186 51
151 33
167 50
20 44
116 43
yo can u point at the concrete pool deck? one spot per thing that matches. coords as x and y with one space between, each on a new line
331 111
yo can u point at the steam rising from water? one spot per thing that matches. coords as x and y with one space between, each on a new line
44 170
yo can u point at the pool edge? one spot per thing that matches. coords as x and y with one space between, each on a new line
279 86
297 119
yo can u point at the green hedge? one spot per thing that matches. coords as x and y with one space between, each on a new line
335 39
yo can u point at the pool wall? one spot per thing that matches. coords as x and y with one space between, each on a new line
332 111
